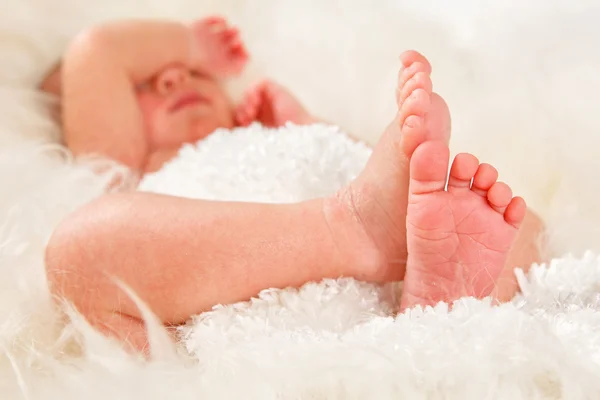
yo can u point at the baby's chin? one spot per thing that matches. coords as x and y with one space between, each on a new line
189 126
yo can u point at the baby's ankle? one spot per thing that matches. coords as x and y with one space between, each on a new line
359 257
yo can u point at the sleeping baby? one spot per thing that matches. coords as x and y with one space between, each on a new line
136 91
177 93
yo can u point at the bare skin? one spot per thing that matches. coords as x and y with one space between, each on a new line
458 238
183 256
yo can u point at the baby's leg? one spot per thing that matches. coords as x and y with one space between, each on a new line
183 256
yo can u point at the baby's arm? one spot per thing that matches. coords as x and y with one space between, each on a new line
100 71
104 65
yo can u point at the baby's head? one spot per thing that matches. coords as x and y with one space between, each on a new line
178 105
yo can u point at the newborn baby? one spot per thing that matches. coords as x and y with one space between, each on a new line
135 91
165 98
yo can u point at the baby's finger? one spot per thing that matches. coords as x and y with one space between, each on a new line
232 31
214 19
240 116
238 56
218 28
231 36
271 90
248 109
248 114
254 99
252 94
251 101
237 46
235 43
262 85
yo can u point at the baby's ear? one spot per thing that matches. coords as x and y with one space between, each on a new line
52 82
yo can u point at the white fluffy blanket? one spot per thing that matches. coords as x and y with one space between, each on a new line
521 79
340 338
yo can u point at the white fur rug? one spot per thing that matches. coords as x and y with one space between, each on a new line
521 79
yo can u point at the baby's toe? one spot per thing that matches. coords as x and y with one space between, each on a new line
499 196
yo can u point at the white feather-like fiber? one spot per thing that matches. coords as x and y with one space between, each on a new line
520 78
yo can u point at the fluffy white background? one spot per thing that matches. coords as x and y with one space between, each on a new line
520 78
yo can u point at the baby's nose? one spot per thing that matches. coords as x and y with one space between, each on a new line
171 79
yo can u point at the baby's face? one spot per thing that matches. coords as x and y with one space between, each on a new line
181 106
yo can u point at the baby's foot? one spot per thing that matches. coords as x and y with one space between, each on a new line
458 238
272 105
218 48
368 218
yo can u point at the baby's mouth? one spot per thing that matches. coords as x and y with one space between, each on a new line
187 100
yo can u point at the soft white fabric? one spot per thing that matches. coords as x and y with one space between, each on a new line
340 338
284 165
521 79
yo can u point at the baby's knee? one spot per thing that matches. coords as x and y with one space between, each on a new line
71 258
78 252
64 256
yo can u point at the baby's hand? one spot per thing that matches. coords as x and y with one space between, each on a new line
272 105
217 47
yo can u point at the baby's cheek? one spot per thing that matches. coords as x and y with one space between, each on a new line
149 105
223 108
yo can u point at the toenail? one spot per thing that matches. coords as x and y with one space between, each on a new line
417 81
414 95
413 121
